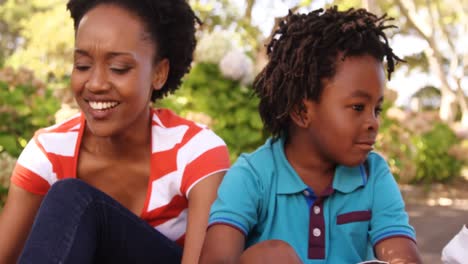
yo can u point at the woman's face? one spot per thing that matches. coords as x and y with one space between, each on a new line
114 71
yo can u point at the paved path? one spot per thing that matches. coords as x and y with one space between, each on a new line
435 226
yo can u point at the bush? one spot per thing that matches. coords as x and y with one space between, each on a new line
226 106
6 167
432 159
419 147
25 106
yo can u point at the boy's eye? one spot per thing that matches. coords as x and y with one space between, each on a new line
358 107
378 110
82 67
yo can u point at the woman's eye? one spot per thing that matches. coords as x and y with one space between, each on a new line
120 70
358 107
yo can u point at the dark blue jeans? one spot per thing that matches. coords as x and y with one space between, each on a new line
77 223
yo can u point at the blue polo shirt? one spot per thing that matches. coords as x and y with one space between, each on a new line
264 198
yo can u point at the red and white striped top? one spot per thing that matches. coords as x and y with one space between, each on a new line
190 153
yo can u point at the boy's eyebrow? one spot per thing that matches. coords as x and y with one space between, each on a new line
364 94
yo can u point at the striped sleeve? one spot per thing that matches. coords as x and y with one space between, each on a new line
205 154
34 172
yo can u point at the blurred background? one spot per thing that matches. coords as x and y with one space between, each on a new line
424 129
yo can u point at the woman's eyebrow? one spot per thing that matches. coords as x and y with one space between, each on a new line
108 55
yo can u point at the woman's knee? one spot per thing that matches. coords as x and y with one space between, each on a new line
69 191
67 186
270 251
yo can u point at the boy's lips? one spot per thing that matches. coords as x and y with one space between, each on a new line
367 144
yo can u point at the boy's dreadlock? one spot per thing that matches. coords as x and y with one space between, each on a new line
304 50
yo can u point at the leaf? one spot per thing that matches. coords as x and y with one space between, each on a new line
8 143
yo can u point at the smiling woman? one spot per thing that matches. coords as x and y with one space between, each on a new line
119 182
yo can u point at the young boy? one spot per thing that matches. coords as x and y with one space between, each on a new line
315 192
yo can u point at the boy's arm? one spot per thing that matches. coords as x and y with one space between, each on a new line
233 215
223 244
199 202
16 219
398 250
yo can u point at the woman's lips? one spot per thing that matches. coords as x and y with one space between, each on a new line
101 109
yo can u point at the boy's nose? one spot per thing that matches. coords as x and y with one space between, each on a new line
373 123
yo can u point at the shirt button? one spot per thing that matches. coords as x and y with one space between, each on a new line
316 232
306 193
316 210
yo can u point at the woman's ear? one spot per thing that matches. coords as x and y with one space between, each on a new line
161 71
301 114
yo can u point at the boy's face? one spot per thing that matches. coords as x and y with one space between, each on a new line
343 124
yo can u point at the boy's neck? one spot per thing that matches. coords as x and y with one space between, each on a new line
314 170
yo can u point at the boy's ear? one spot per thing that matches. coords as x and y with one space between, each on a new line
161 71
301 114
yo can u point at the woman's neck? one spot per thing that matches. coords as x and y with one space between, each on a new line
126 142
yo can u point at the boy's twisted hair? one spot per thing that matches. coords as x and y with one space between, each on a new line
304 50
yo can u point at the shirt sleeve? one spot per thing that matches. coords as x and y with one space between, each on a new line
239 198
33 171
389 218
204 155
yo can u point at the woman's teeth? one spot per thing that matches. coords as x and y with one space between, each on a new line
102 105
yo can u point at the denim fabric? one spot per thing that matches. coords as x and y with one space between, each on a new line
77 223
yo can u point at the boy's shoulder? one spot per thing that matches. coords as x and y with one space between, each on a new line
376 161
264 153
262 162
376 167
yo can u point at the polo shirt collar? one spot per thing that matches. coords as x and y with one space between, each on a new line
346 179
288 180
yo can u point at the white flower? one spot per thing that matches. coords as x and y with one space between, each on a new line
212 47
237 66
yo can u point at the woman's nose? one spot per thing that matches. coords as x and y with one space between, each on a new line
97 81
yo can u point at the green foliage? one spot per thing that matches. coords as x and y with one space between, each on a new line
432 159
226 106
420 148
25 106
46 49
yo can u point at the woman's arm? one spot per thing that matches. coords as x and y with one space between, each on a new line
223 244
398 250
16 220
200 199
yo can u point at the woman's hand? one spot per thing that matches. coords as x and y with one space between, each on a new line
16 220
200 199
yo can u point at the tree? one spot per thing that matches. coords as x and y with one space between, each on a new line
443 25
40 35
